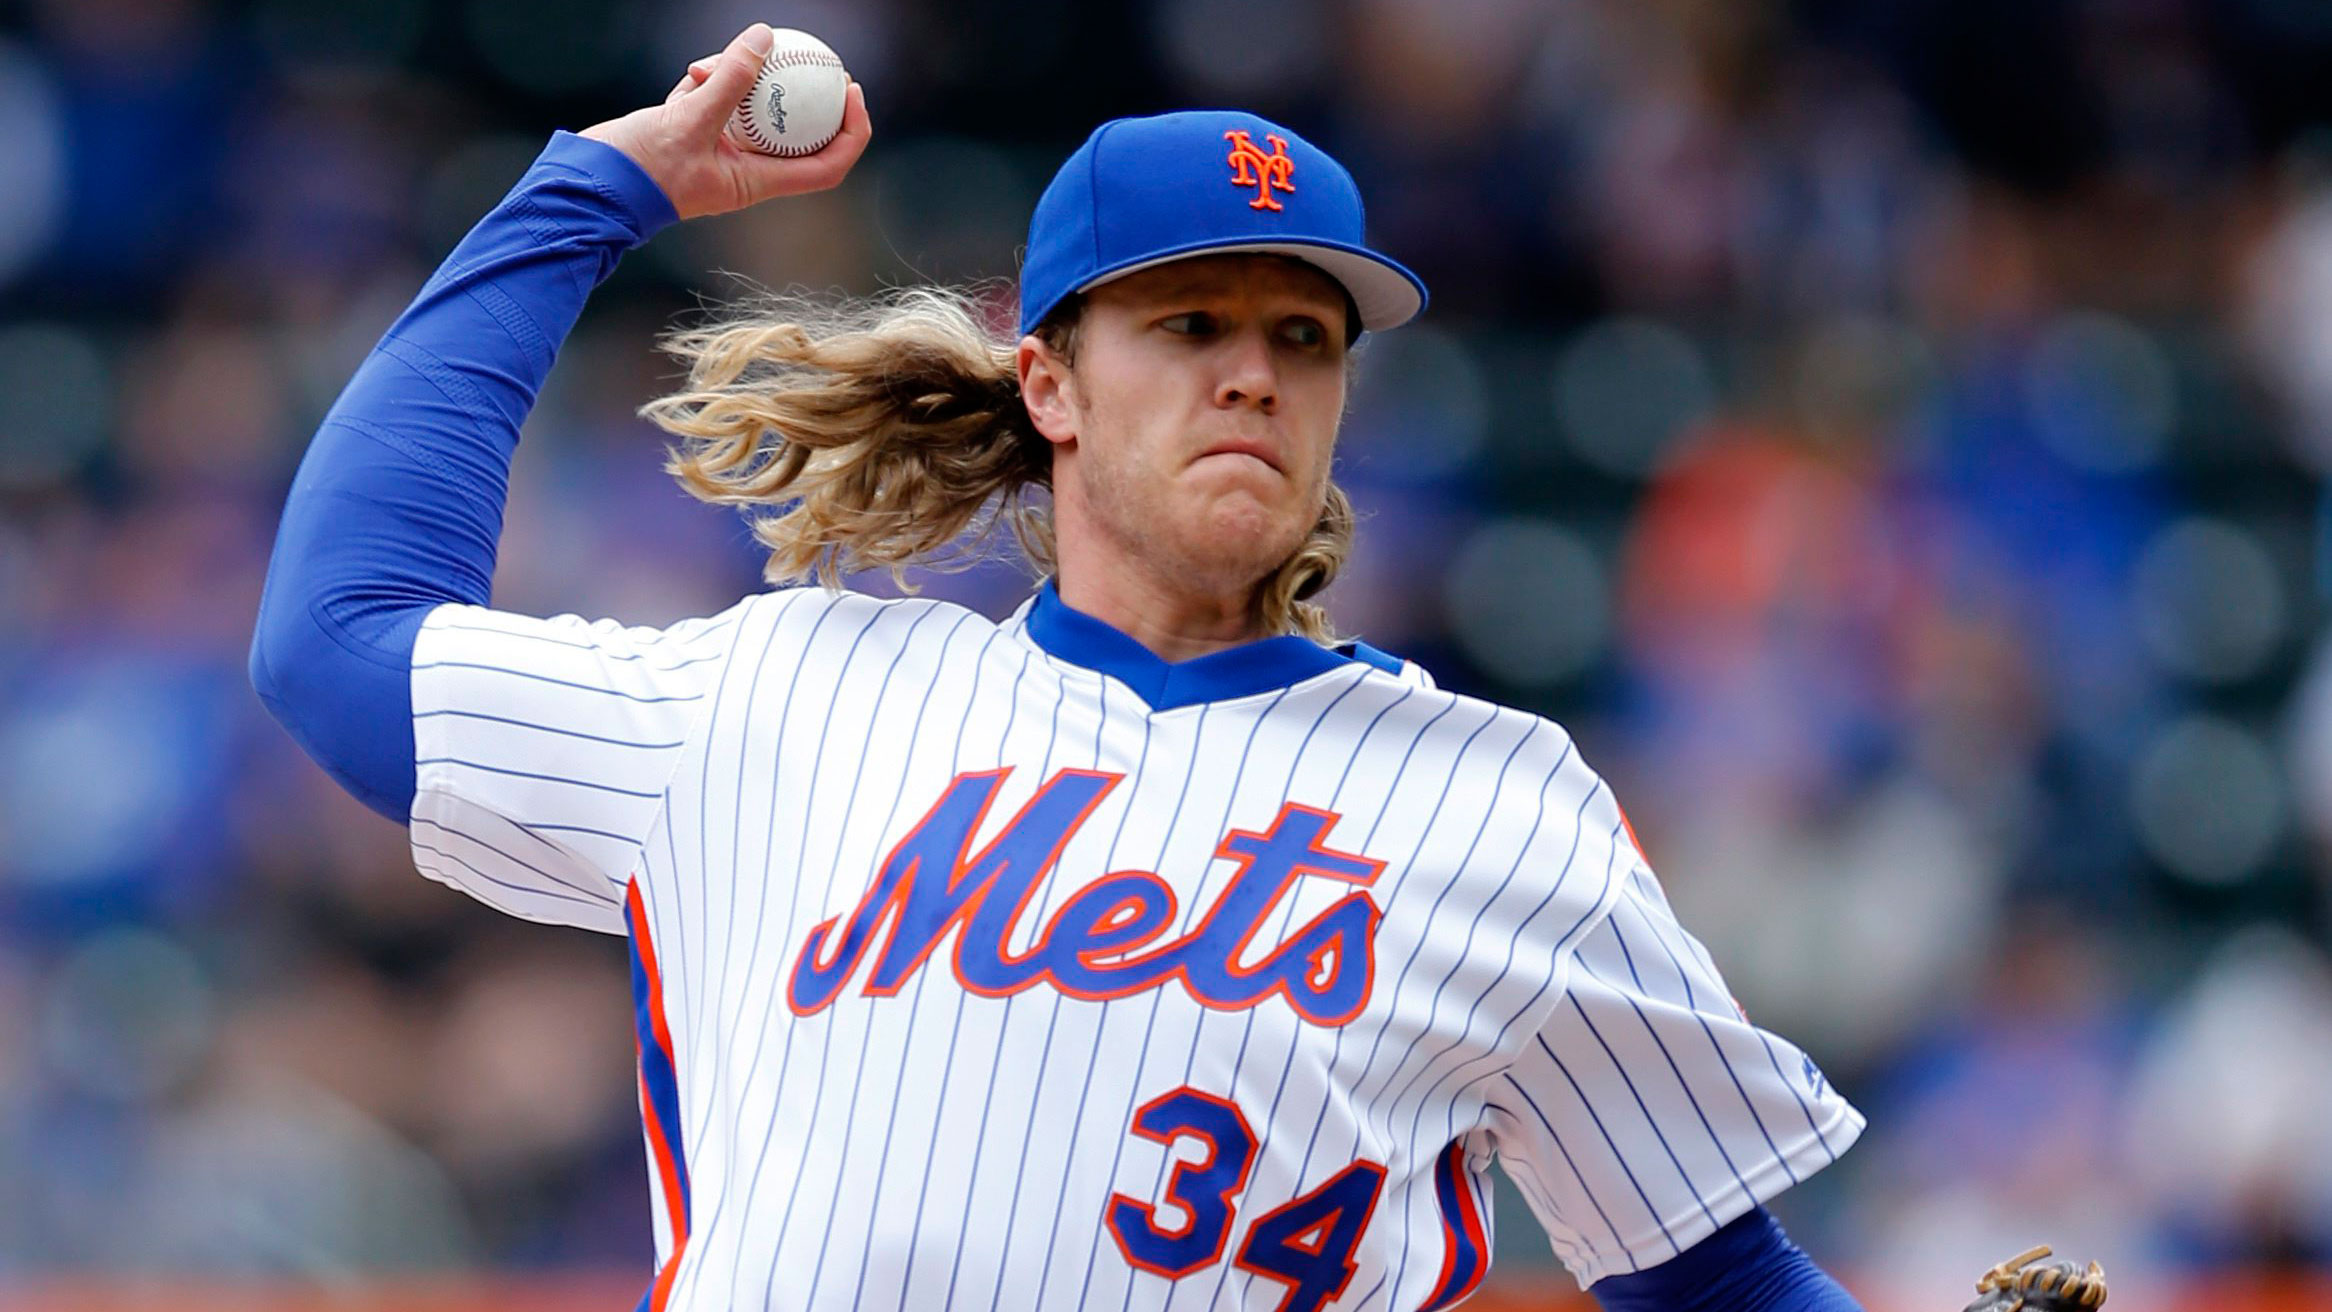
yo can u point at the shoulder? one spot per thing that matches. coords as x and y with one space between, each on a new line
799 618
814 628
456 624
1385 662
1527 766
840 610
1533 737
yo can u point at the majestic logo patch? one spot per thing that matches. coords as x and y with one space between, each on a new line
1250 167
1104 940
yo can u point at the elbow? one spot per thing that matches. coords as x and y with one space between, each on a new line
284 639
349 711
260 664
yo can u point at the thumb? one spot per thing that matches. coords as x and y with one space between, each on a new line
733 71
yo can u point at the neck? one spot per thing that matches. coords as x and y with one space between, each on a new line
1176 624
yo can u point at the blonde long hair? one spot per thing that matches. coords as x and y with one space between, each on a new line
890 432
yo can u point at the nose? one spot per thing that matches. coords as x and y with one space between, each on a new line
1248 376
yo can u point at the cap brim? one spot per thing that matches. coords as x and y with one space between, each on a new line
1386 294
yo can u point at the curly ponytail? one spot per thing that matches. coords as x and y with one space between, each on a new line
894 428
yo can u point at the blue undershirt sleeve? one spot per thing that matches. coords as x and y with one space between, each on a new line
397 507
1748 1266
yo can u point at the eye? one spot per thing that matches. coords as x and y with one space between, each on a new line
1305 331
1197 323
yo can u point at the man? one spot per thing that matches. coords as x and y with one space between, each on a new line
1142 949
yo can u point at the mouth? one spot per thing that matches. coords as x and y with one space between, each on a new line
1252 450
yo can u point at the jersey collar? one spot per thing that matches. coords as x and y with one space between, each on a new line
1071 635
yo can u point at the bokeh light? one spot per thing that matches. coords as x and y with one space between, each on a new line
1529 600
2210 601
1420 405
1624 390
2208 800
2102 392
129 1016
56 400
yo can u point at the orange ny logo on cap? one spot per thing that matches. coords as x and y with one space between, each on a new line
1250 167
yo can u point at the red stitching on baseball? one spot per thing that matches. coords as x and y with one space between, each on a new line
788 59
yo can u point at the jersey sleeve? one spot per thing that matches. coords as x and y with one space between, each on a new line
1648 1111
543 748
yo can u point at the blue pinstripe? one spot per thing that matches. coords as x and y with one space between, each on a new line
1562 943
587 893
539 827
1525 1177
550 728
956 1025
1692 1000
1173 823
1190 1059
1621 1069
1376 1041
1044 1062
1004 1029
531 774
1489 811
866 1033
1586 1104
725 1024
801 853
1336 798
1287 912
595 649
1100 1027
1279 1089
544 678
1555 1137
793 918
1538 819
907 1031
515 888
1670 1058
1336 1051
679 952
782 608
1194 908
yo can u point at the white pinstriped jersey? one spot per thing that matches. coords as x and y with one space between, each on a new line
1002 965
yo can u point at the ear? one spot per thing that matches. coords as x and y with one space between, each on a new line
1048 390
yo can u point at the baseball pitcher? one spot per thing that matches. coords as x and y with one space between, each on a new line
1151 947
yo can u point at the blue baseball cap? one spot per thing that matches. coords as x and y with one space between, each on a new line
1143 191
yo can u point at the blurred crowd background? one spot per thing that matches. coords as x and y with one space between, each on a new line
1889 433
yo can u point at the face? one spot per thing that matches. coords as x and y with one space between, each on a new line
1193 430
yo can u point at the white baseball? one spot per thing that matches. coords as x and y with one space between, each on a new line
795 106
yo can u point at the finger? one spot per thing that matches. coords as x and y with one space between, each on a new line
696 74
794 175
849 143
733 71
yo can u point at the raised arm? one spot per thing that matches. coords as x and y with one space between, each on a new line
397 507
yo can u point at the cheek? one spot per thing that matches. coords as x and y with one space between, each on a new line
1129 429
1322 418
1125 475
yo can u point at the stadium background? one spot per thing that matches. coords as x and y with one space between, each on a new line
1887 431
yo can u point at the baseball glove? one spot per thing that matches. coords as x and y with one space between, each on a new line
2016 1285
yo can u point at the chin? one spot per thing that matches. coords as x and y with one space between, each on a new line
1238 541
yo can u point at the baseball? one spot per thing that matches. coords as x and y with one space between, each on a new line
795 106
